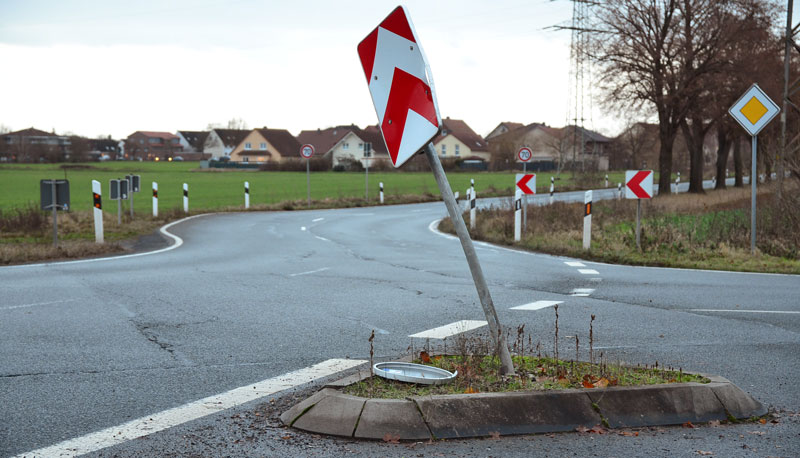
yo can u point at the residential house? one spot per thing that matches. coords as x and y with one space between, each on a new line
152 146
457 140
103 149
34 145
345 145
266 145
193 143
502 128
221 142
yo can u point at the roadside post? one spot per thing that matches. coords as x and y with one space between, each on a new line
606 185
133 186
552 189
638 185
402 91
97 209
587 220
54 195
381 185
185 198
677 182
525 154
367 154
619 191
472 210
155 199
753 111
307 151
517 215
246 195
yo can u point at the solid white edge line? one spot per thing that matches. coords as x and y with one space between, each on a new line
177 243
316 220
433 227
309 272
150 424
789 312
443 332
22 306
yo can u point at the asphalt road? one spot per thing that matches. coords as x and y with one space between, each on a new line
249 296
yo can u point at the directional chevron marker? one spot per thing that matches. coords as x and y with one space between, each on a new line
526 182
401 86
638 184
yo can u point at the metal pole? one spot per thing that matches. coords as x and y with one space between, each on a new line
639 224
787 50
753 180
308 183
366 179
507 366
525 203
55 213
119 210
130 194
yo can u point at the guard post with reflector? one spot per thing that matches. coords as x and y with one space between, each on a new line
185 198
587 220
97 209
155 199
753 111
552 189
517 215
381 183
246 195
472 209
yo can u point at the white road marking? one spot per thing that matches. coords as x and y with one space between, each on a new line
151 424
537 305
746 311
22 306
451 329
316 219
302 228
574 264
588 271
309 272
322 238
581 292
596 279
178 242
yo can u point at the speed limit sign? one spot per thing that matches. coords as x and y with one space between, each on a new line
307 151
524 154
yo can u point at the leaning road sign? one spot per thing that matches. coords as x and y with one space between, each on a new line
754 110
526 182
638 184
401 86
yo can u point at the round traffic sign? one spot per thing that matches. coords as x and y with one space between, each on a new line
524 154
307 151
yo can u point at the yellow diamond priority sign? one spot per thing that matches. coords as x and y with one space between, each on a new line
754 110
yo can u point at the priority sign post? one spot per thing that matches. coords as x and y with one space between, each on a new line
638 185
753 111
403 94
307 151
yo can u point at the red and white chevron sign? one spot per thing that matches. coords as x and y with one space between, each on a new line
401 87
638 184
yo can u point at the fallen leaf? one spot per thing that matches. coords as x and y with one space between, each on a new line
629 433
688 424
701 452
437 358
582 429
763 421
286 437
597 429
470 390
494 435
587 384
391 438
424 356
602 383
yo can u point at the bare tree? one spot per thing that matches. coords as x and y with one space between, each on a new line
237 123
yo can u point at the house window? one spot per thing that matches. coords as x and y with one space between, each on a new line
457 149
444 150
247 146
262 146
245 159
345 145
153 140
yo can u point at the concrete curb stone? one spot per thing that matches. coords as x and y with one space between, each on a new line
396 417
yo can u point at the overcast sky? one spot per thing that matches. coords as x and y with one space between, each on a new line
99 67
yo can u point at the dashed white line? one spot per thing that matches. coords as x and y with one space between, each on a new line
537 305
581 292
746 311
574 264
151 424
451 329
588 272
22 306
309 272
322 238
317 220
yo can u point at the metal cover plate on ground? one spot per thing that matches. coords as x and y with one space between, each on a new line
413 373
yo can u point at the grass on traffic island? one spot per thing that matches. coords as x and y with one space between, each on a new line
697 231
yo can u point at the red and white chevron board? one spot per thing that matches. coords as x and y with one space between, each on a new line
401 86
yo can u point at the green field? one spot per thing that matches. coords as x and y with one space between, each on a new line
214 189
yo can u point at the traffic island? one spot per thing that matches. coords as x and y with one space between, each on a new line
329 411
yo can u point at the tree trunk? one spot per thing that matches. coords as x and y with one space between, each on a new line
738 165
723 147
695 136
666 136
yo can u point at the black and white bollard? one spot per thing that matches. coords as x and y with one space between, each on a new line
517 215
619 191
381 186
246 195
552 189
185 198
587 220
606 181
677 183
98 211
155 199
472 210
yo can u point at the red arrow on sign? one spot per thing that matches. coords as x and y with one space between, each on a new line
634 184
522 184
